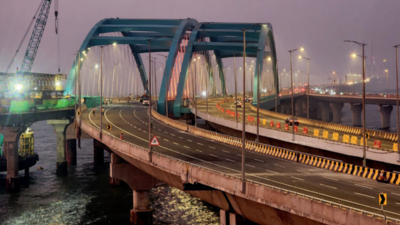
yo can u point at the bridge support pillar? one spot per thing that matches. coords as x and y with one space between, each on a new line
223 217
60 126
11 136
385 115
235 219
70 152
140 182
325 109
98 153
286 108
298 106
356 109
337 111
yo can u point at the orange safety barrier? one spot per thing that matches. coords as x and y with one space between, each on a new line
252 119
377 144
238 115
271 124
278 124
295 129
286 126
305 130
248 118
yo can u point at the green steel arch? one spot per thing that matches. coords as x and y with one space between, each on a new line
163 33
226 40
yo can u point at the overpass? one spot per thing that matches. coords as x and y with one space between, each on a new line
281 185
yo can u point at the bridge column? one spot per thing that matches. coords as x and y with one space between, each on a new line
70 151
11 136
356 109
385 115
325 109
98 153
285 108
235 219
140 182
337 111
60 126
298 106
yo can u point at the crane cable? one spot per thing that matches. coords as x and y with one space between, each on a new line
56 29
26 33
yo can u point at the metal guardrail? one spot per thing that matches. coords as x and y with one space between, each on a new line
312 198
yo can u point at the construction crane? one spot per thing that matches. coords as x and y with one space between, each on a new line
41 15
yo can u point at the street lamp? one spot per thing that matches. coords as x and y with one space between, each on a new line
387 81
308 85
397 101
291 85
363 98
244 107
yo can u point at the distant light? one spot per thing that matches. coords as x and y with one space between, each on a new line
269 58
300 57
96 66
18 87
194 60
81 59
301 49
57 83
35 88
198 57
114 44
83 52
354 55
386 70
204 93
384 60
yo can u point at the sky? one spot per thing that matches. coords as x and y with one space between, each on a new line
320 26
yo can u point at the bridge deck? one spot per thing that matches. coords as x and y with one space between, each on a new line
344 189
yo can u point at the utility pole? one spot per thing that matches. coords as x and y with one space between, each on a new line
397 101
258 97
150 102
234 74
101 94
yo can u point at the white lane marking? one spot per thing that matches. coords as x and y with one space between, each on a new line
211 147
272 171
250 165
259 160
176 143
363 186
297 178
131 125
181 137
199 150
398 203
279 165
199 143
173 134
239 155
328 186
301 171
186 146
231 160
166 132
213 155
189 140
139 129
166 139
134 126
159 129
364 195
238 171
225 151
144 131
396 194
330 178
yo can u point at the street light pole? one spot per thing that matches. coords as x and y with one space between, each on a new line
150 102
363 100
308 85
397 101
101 94
258 97
244 112
387 82
234 74
195 92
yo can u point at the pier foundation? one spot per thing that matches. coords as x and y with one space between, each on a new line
98 153
70 151
385 115
60 126
325 109
140 182
356 110
337 111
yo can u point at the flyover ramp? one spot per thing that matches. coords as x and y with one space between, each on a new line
224 163
355 150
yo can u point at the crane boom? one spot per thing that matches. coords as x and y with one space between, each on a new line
36 37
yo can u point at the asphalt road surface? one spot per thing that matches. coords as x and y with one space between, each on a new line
340 188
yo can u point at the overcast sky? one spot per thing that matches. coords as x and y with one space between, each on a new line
320 26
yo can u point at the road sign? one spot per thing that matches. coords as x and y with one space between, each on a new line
366 135
382 199
78 113
109 127
154 141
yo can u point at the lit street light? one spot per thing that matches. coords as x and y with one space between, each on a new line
387 81
363 98
291 85
308 85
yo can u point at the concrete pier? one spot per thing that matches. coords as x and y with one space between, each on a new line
98 153
140 182
385 115
70 151
337 111
325 109
356 110
11 136
60 126
298 106
223 217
